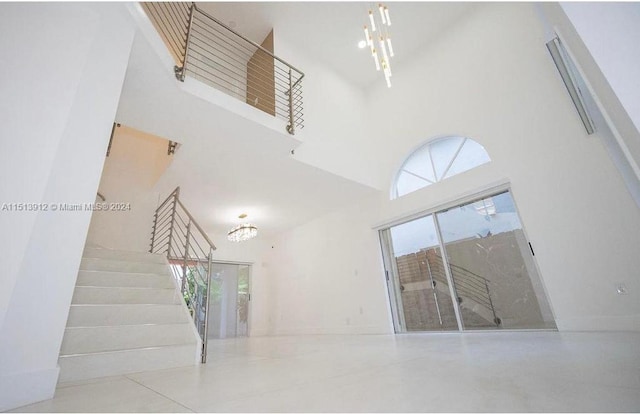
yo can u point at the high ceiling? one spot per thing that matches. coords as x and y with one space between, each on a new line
330 31
228 165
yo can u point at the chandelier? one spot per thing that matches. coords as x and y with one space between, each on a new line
242 232
379 41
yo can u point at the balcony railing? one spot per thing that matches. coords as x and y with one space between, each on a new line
210 51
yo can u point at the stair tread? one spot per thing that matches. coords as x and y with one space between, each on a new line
124 287
127 315
123 272
115 351
125 304
131 324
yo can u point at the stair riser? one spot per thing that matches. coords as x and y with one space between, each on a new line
82 367
123 266
127 315
126 295
114 279
123 255
108 315
113 338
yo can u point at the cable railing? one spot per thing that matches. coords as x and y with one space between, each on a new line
189 252
210 51
467 284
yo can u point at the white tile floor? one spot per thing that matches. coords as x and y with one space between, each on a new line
486 372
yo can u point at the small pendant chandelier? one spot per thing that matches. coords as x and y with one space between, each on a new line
242 232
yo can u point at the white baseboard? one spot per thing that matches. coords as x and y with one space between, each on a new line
600 323
26 388
259 332
335 330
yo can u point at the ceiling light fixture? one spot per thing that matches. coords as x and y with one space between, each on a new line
382 59
244 231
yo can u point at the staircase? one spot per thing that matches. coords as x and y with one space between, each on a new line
127 315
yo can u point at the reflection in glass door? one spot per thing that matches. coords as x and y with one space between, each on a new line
492 267
486 266
229 301
422 285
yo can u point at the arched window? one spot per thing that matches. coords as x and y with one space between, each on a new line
437 160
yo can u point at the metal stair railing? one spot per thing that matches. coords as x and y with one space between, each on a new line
467 284
212 52
190 253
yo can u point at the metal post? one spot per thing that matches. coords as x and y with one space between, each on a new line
291 128
496 320
153 233
113 130
186 257
181 72
433 286
449 275
173 219
206 308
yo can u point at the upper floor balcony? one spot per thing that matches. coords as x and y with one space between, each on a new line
213 53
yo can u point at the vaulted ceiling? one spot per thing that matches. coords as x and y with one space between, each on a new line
229 165
330 31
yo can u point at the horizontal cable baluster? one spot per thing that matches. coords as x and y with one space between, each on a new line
169 35
179 28
238 42
202 50
210 51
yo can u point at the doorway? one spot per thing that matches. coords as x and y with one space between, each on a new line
229 301
467 267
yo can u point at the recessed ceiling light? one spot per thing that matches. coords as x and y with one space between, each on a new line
362 44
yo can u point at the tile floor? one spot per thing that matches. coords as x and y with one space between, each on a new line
485 372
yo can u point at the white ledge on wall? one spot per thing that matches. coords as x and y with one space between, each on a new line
228 102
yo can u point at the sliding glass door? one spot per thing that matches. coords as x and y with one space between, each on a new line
423 289
475 253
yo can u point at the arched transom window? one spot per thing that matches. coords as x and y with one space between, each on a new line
437 160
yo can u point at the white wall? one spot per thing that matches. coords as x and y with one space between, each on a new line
601 39
611 31
335 136
491 79
58 102
326 277
130 173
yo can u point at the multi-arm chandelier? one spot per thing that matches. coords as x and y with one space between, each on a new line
377 38
242 232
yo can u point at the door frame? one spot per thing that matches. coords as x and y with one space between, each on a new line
391 274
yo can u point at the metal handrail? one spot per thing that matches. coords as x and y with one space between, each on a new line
207 49
173 235
470 285
247 40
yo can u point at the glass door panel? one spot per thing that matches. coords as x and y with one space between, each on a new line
496 281
424 294
243 301
229 301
